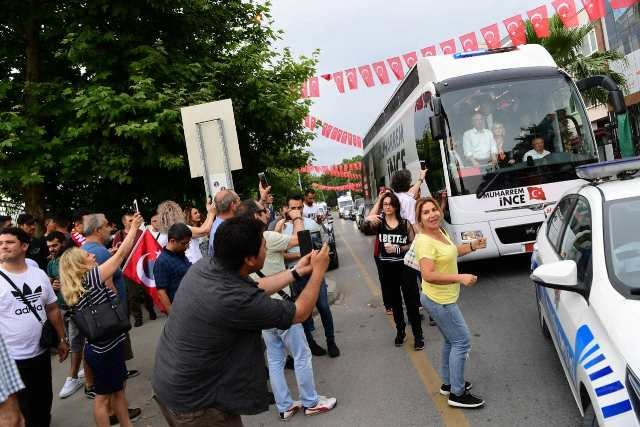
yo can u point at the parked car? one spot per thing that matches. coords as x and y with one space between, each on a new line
586 268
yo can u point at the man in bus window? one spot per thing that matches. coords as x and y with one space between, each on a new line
478 143
537 152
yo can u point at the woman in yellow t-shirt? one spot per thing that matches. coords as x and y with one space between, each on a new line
438 258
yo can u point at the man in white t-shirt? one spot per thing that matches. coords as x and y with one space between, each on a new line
478 143
310 208
538 151
401 186
21 328
292 340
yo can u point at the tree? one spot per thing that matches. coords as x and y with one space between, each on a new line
564 46
90 95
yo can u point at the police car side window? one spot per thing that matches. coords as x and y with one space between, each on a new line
576 242
558 220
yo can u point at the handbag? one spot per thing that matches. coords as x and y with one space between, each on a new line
48 336
104 321
410 257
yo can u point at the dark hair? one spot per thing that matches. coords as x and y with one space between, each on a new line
309 191
56 235
236 239
25 218
247 209
401 181
18 232
59 219
294 196
395 202
179 231
79 214
4 218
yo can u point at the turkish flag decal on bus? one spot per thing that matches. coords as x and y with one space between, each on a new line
536 193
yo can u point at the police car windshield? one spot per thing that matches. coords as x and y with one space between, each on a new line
513 133
623 239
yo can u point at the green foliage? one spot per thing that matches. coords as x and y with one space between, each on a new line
564 46
90 115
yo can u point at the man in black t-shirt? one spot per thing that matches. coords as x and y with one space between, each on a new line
38 250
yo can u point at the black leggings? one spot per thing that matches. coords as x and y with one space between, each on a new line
35 399
399 281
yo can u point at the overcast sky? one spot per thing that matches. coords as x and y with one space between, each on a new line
350 33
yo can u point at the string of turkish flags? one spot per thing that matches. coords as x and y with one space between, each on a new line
515 26
342 168
333 132
353 186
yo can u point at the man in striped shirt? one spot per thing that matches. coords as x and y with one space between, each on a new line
10 384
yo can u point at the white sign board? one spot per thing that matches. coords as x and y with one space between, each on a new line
208 116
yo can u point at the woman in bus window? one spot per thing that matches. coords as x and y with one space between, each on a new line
394 237
438 258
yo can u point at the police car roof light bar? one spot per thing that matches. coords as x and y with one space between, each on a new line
614 168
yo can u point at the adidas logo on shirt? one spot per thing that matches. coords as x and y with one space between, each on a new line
33 296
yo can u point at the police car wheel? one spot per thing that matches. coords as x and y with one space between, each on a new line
590 419
543 324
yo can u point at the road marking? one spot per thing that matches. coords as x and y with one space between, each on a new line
428 375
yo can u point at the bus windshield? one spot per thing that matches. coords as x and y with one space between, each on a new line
515 133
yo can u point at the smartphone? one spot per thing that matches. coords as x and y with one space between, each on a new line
304 240
263 180
423 164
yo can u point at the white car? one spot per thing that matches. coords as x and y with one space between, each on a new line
586 268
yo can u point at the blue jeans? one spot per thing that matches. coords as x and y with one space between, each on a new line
323 308
278 342
457 342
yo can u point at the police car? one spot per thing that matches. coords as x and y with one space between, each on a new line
586 268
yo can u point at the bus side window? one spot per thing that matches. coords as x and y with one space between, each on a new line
428 148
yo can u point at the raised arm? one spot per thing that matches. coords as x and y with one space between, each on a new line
306 301
110 266
298 225
204 229
274 283
415 189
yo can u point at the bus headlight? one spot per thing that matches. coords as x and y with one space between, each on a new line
471 235
633 387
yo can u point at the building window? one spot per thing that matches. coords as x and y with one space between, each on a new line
589 44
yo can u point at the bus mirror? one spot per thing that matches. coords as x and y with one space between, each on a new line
437 127
616 100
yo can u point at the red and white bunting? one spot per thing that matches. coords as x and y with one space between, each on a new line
491 36
396 67
381 71
314 88
595 9
338 78
366 74
515 28
540 21
352 78
448 47
566 10
469 42
304 89
410 58
621 4
428 51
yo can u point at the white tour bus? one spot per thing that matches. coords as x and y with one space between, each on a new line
448 112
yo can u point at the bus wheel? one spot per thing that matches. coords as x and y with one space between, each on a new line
543 324
590 419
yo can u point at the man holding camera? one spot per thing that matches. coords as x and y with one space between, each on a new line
295 203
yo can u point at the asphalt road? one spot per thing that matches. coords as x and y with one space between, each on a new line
511 365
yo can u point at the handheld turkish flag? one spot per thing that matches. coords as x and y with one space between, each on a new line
595 9
339 79
540 21
536 193
621 4
396 66
139 266
448 47
515 28
314 89
366 74
410 59
381 72
352 78
491 36
566 10
469 42
428 51
326 129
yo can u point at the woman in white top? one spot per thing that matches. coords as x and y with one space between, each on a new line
171 213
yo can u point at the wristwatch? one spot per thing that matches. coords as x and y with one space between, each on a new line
295 274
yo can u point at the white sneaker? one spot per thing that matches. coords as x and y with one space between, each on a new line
297 405
325 404
81 373
71 385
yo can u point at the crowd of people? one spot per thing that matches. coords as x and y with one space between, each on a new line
238 295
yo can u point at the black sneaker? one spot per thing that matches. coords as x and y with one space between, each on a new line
132 373
134 413
466 400
316 350
332 348
445 389
418 344
90 392
400 337
153 315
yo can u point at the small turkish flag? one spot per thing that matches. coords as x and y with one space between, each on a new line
304 90
335 134
621 4
314 89
339 79
307 122
540 21
352 78
327 77
350 139
515 28
139 267
381 72
595 9
448 47
396 66
469 42
566 10
491 36
326 130
410 59
312 122
343 138
358 142
428 51
366 74
536 193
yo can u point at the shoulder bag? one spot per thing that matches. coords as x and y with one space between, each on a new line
104 321
48 337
